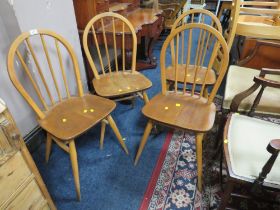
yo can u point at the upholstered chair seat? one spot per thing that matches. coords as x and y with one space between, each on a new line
247 141
240 79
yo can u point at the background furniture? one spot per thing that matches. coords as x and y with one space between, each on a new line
171 10
259 53
256 26
21 184
184 110
117 35
147 22
62 112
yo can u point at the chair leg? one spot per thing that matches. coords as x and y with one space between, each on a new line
102 133
143 140
117 132
199 139
74 163
48 146
145 97
226 195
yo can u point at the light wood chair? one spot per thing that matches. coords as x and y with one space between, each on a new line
188 110
257 19
246 21
122 81
62 112
202 17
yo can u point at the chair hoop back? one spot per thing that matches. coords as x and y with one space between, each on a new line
112 30
202 13
24 44
194 58
202 18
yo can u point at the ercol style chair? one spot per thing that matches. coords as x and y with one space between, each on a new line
265 26
114 30
246 140
62 113
202 16
185 110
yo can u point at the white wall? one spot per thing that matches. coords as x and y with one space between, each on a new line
17 16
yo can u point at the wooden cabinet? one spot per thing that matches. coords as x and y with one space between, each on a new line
20 182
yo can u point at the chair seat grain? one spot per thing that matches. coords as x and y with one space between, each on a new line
210 78
120 83
181 111
85 112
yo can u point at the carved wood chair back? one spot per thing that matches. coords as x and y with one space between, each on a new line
115 32
25 50
198 55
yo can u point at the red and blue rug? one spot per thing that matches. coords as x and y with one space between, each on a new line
173 182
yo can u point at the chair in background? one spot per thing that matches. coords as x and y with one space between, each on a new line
171 10
62 113
195 4
245 140
202 16
187 110
122 81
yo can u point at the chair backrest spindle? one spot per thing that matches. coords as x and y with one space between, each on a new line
205 53
23 42
117 32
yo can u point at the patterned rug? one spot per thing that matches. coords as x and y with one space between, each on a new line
173 182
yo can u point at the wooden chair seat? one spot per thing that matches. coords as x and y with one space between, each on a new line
210 79
240 79
247 139
120 83
199 72
65 124
258 27
181 111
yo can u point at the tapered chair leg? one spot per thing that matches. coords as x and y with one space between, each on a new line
75 168
117 132
145 97
226 195
102 134
48 146
143 140
199 139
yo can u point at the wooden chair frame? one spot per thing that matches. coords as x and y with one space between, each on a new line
271 31
124 94
259 183
67 144
219 43
180 20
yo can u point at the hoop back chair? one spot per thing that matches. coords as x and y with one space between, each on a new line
117 34
181 109
203 15
62 113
